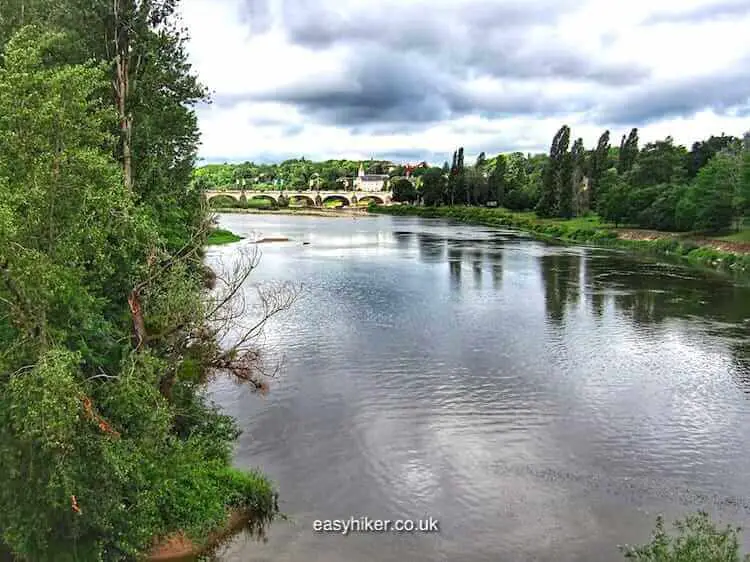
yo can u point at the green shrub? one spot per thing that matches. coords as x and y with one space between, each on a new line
697 540
221 236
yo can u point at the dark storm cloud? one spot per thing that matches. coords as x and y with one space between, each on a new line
408 66
379 91
483 37
713 11
410 63
724 93
374 90
414 25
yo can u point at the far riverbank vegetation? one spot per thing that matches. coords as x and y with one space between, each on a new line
662 198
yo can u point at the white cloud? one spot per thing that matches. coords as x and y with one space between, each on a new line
237 64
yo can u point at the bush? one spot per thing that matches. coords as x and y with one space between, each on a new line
697 540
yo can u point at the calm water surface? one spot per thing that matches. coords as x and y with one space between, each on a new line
542 402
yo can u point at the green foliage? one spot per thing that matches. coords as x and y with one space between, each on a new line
103 446
743 198
660 162
698 539
703 151
628 153
290 174
598 164
713 194
221 236
404 191
613 197
556 197
433 187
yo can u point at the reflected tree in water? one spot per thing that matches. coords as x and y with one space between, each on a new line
431 247
455 256
561 277
595 288
741 364
655 293
404 240
496 261
476 255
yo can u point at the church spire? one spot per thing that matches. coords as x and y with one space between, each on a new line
361 169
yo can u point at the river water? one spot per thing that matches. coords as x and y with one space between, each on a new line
541 402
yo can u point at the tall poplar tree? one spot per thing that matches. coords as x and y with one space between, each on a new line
598 164
628 152
549 200
578 164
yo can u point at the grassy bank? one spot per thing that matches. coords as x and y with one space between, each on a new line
590 230
221 236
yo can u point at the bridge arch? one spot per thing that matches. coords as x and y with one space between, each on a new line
298 198
372 199
332 198
263 197
217 198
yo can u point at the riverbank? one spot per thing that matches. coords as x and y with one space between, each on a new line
299 211
720 255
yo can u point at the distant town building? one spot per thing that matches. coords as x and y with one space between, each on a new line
409 168
369 182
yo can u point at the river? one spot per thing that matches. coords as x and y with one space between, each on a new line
541 402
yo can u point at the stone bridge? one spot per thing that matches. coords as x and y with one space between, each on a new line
310 198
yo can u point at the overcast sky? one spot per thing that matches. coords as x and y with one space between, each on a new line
410 80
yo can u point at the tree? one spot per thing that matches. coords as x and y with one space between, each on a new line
452 179
104 330
702 151
660 162
476 184
396 172
462 192
613 200
553 182
577 164
497 184
743 199
628 153
713 193
476 181
433 187
598 164
404 191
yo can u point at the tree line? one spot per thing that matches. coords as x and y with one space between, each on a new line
297 174
106 330
661 185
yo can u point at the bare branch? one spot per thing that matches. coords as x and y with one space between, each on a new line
237 315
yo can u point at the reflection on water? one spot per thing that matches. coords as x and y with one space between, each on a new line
543 402
561 278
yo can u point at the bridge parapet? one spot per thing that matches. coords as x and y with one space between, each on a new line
318 198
